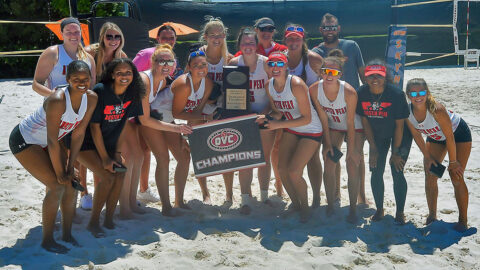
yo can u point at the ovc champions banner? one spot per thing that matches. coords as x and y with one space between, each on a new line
396 52
226 145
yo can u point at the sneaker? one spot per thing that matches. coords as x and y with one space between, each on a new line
148 196
86 202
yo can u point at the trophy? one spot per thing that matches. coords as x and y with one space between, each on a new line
236 94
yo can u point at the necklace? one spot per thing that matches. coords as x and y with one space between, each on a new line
376 100
121 98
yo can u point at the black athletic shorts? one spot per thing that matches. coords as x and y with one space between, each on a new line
17 142
461 134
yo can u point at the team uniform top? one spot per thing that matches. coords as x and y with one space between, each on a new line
258 78
311 76
430 126
162 101
337 110
286 103
195 97
34 127
215 71
58 74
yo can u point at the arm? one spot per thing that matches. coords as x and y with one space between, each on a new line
181 91
443 119
351 99
93 71
316 62
78 134
327 147
417 137
147 120
54 108
395 158
45 64
233 62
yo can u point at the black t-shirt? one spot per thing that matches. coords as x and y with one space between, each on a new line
382 110
111 113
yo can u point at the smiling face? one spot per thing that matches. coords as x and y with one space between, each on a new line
79 81
294 43
277 69
328 71
198 67
330 31
375 81
112 39
248 44
215 37
164 63
71 34
122 75
265 35
418 100
167 37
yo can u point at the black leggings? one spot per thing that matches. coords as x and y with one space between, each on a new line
399 181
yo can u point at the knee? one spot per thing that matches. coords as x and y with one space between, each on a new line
57 190
184 159
457 181
294 173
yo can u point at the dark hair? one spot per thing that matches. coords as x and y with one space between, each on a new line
77 66
164 28
328 18
336 56
380 62
245 31
304 49
68 21
136 87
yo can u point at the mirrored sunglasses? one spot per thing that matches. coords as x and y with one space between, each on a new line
419 93
295 29
331 71
330 28
275 63
169 63
196 53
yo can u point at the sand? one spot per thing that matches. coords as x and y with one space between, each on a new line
218 236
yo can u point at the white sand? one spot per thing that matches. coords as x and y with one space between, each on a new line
216 236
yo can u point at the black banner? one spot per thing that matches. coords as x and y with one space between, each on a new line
226 145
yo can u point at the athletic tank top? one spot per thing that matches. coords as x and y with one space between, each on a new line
311 75
195 97
163 104
430 126
258 78
336 110
151 95
34 127
58 74
286 103
215 72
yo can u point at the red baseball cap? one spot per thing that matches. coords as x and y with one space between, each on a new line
277 56
375 69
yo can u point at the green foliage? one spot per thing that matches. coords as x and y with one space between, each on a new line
103 10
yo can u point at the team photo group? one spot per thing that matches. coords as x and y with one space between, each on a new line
108 114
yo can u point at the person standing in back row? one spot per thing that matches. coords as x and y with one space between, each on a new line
352 74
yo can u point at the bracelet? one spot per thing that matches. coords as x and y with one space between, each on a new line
452 161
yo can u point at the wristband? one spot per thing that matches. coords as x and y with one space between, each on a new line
452 161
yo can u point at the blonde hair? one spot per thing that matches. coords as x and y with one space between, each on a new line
99 48
161 48
211 24
430 103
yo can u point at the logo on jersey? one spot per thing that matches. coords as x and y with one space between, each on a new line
376 109
225 139
115 112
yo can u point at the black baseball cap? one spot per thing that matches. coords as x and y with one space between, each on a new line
264 22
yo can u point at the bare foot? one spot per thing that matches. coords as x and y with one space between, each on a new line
138 210
245 210
124 215
352 217
55 247
430 219
305 215
330 211
315 203
378 215
71 240
269 203
168 211
289 211
206 200
182 205
96 231
460 227
109 224
363 200
400 218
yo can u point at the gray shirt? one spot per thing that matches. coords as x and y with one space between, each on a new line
354 60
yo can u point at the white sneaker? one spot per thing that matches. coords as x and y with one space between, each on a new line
86 202
148 196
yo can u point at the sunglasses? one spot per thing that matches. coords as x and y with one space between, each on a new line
161 62
295 29
419 93
330 28
267 29
196 53
331 71
276 63
113 37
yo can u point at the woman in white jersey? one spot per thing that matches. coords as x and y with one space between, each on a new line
247 44
338 100
35 144
305 64
446 132
52 63
190 94
214 35
289 99
153 132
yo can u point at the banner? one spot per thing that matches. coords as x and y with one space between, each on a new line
395 55
226 145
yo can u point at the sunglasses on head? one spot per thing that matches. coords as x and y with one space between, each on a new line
330 28
113 37
275 63
267 29
196 53
161 62
331 71
295 29
419 93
